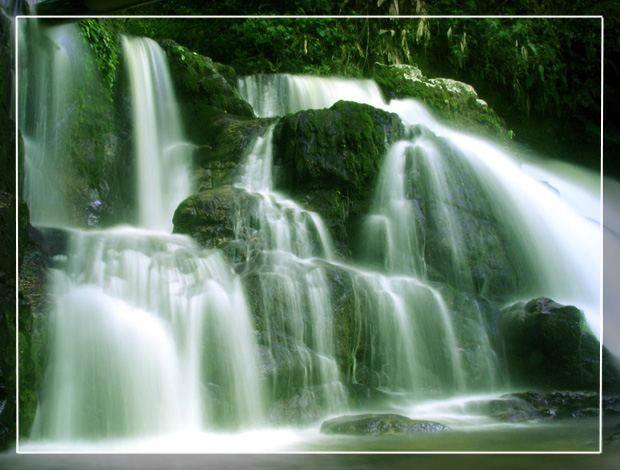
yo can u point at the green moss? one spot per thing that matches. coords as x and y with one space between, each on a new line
330 159
103 41
452 101
198 76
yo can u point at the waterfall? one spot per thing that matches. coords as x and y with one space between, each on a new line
295 308
555 250
411 348
280 94
555 230
139 319
152 337
52 70
149 335
162 155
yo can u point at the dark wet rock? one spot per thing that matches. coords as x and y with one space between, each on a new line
7 316
543 406
52 241
548 346
301 407
379 425
330 158
34 305
211 217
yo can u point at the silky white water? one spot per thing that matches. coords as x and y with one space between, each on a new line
145 328
410 349
559 236
149 335
296 309
53 67
162 155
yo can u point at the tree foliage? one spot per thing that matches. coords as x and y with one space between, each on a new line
531 69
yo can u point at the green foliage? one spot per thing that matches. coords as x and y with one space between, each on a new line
104 43
528 69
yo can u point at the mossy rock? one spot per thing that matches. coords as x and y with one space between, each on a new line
198 76
329 159
211 218
337 148
222 136
34 305
379 425
548 346
7 317
456 102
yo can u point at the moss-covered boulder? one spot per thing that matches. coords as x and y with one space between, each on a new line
197 75
336 148
549 346
330 158
211 217
455 101
379 425
7 125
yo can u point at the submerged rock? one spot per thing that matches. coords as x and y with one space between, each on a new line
544 406
379 425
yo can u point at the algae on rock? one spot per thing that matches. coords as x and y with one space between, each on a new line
454 101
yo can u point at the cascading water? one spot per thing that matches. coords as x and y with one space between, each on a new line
162 156
151 337
138 319
556 247
50 75
411 347
280 94
553 248
296 308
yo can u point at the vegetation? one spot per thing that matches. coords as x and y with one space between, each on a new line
531 70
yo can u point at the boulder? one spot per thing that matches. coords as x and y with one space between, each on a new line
548 346
454 101
525 406
379 425
330 159
211 217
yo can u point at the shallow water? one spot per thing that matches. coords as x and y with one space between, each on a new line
573 435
